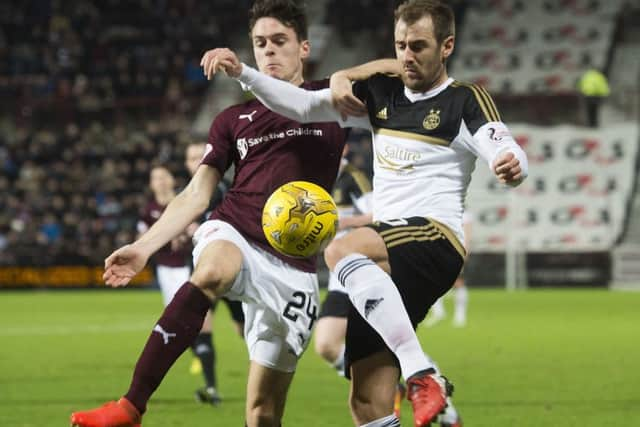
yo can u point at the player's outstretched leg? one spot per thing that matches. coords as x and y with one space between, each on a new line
173 334
374 295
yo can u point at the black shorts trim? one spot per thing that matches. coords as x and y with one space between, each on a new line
336 304
425 259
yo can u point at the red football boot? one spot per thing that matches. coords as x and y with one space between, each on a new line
428 395
112 414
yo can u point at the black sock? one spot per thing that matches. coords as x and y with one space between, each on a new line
204 350
176 329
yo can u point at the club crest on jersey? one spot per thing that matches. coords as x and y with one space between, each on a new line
243 147
432 120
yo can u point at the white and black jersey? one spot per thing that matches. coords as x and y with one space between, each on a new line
425 146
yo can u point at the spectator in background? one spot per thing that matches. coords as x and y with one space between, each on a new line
594 87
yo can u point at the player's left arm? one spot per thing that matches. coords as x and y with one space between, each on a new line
491 138
494 143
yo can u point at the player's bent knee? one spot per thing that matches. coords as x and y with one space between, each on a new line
210 278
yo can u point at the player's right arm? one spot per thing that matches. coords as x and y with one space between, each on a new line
295 103
123 264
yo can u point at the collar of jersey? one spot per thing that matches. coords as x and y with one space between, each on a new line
421 96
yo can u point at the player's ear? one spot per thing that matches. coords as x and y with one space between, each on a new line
447 47
305 49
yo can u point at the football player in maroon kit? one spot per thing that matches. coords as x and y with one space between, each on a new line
231 256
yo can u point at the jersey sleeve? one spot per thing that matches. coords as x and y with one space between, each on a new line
479 108
293 102
219 150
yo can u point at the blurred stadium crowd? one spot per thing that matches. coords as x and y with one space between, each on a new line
99 91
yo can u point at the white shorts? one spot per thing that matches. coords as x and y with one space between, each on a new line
170 279
280 302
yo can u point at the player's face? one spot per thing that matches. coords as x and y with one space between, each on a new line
192 158
423 59
278 51
161 181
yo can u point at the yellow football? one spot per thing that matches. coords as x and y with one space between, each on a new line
299 219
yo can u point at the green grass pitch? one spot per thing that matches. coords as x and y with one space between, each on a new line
538 358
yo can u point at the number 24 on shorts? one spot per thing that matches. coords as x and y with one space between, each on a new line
299 301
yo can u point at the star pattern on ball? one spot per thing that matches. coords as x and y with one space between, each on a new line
306 202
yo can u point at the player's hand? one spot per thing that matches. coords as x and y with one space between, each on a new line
507 169
123 264
344 101
220 59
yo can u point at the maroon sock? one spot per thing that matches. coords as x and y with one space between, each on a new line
173 334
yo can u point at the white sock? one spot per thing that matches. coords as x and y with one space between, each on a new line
437 309
388 421
378 301
461 300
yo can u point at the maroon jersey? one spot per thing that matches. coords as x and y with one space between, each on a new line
269 150
165 255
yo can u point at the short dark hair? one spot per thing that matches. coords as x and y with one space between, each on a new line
441 15
290 12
